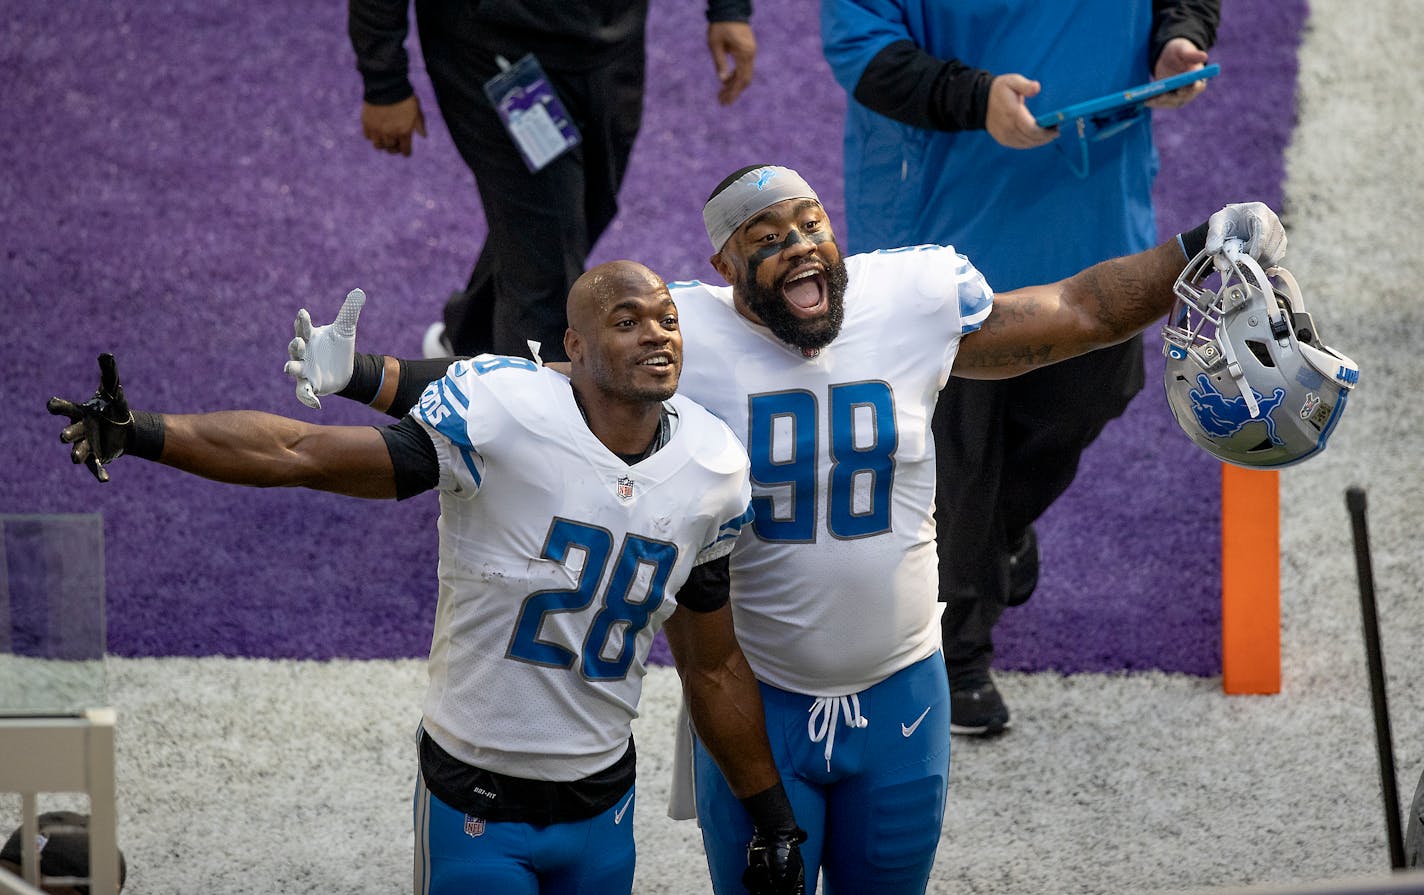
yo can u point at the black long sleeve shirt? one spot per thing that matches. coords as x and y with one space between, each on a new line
563 34
906 84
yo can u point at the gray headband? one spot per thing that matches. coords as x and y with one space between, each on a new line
748 194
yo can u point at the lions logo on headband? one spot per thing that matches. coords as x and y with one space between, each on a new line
755 190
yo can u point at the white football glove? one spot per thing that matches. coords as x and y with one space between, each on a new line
1249 227
322 357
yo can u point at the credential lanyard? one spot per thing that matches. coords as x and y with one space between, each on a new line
532 113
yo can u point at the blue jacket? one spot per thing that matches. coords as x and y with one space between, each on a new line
1021 216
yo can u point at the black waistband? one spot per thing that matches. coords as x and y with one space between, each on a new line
500 797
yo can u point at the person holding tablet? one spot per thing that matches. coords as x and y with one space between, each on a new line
941 147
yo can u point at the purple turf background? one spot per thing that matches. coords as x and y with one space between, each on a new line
182 176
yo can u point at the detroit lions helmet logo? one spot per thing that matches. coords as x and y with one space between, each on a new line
1221 416
764 178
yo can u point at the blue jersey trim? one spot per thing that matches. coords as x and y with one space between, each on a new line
733 527
470 465
449 383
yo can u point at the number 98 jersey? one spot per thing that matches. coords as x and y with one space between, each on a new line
558 562
835 585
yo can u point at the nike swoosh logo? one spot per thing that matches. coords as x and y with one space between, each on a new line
909 729
618 815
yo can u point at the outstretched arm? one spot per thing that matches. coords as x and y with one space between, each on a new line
323 361
239 447
246 447
1040 325
1109 302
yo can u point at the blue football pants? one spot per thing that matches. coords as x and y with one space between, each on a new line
456 854
872 809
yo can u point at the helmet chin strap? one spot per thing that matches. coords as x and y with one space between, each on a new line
1233 367
1276 315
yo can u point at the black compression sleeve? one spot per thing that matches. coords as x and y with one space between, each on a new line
413 456
1196 20
908 85
708 586
415 375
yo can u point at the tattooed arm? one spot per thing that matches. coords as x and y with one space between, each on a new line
1109 302
1103 305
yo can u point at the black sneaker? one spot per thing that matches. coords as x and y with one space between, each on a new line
1023 568
976 708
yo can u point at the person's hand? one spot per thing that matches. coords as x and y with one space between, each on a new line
1008 119
1251 228
1177 57
732 41
99 428
389 128
321 357
774 864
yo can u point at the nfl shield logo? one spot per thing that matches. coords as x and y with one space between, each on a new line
625 488
474 826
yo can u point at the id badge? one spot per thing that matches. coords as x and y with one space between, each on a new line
531 112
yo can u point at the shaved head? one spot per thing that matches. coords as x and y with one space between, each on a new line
599 288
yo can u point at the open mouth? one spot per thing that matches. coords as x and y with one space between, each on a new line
805 292
662 362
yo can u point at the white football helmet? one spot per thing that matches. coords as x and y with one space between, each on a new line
1247 376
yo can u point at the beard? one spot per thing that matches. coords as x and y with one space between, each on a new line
808 335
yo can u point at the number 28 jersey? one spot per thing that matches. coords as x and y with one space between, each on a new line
835 584
558 562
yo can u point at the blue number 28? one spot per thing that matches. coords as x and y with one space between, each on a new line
620 619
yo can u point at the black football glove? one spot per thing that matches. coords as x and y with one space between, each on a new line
774 863
101 427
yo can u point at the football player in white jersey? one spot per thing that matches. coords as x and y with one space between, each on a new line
577 516
828 369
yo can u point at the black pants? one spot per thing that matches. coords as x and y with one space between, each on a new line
1005 450
542 226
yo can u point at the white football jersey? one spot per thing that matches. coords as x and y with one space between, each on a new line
835 584
558 562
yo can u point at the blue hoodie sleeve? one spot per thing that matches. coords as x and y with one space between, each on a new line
854 31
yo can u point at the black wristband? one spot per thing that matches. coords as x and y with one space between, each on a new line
145 438
368 371
771 810
1193 241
